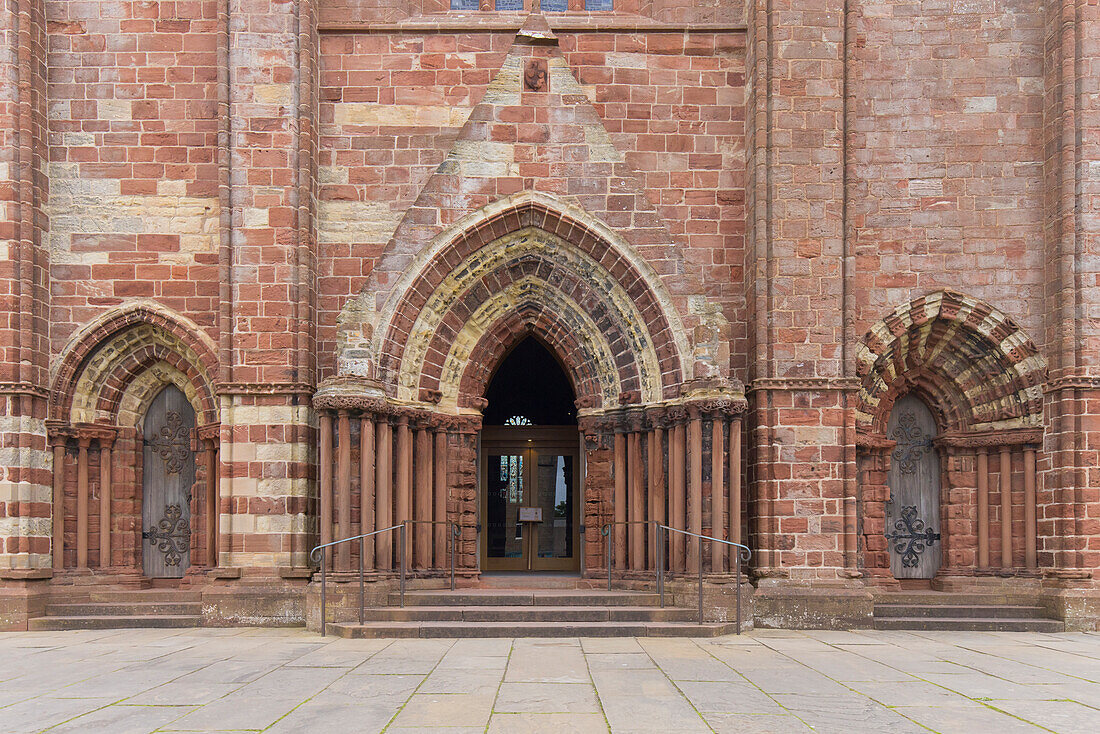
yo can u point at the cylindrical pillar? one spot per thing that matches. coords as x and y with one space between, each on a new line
383 489
82 503
59 503
325 518
343 490
1006 507
1030 530
366 487
717 497
105 494
439 496
695 489
983 507
735 483
619 529
656 469
637 502
404 481
212 502
676 492
423 506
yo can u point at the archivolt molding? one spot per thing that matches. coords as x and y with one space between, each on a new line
138 342
531 292
543 257
371 322
979 369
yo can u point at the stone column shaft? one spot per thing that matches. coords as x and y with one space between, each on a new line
82 504
718 551
695 491
59 504
423 505
983 508
637 503
1030 533
404 483
366 488
383 487
1006 507
105 495
439 495
325 519
343 490
676 497
619 529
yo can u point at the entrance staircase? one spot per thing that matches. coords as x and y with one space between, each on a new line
962 612
125 608
530 612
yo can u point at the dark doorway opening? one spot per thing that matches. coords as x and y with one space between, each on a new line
530 388
530 465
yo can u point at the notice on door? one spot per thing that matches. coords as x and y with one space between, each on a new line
530 514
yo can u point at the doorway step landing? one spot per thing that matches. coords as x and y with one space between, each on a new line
120 609
937 610
529 613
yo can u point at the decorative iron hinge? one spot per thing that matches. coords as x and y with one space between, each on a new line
915 539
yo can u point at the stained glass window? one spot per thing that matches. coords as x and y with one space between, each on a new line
464 4
518 420
509 4
555 6
593 5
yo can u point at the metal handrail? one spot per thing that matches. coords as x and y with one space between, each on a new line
402 540
606 532
742 554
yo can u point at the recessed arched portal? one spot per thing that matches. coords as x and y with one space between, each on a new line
530 465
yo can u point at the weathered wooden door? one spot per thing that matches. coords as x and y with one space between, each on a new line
913 512
168 472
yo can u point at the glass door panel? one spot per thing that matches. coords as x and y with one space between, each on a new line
553 494
529 508
505 484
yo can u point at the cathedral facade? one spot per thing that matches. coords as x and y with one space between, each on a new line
507 285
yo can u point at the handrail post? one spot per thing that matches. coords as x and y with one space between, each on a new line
660 566
737 580
404 525
609 531
362 602
324 621
454 532
700 579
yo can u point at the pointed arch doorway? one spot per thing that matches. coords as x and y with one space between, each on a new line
530 465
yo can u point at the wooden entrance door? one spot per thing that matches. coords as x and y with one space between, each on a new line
168 472
913 512
529 499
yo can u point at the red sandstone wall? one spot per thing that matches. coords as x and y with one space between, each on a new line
392 105
947 146
132 135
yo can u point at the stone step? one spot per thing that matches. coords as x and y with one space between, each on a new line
131 596
969 624
953 598
986 611
527 613
529 629
124 609
516 598
95 622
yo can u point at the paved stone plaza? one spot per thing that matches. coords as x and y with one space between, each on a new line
122 681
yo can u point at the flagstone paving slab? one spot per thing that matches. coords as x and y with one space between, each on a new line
781 681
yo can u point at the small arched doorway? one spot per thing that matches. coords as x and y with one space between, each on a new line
530 472
168 473
913 512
